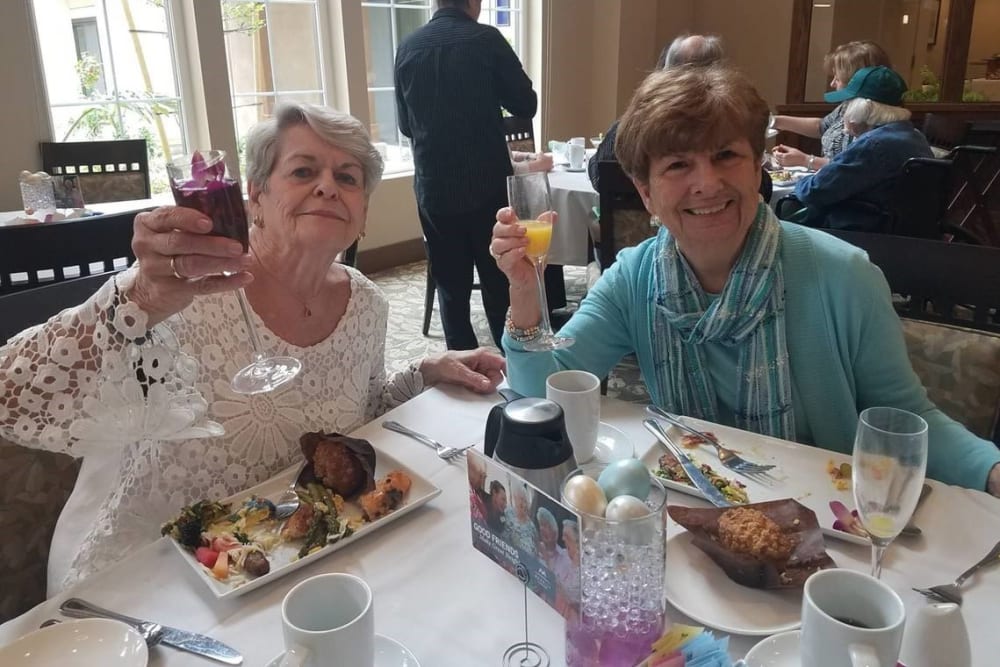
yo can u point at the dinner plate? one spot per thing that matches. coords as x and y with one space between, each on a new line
800 473
388 653
781 650
699 588
612 444
91 642
572 170
283 558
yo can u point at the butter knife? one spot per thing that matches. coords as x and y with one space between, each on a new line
192 642
712 494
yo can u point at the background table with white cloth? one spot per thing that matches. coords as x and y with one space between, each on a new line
451 605
574 199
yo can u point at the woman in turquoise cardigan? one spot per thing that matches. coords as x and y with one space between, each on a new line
735 316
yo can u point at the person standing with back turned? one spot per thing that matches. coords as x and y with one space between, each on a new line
452 76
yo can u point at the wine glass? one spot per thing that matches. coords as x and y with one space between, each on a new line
200 181
532 204
890 461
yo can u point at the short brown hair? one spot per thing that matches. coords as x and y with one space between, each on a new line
848 58
689 108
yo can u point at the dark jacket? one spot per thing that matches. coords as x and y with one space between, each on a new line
867 171
452 77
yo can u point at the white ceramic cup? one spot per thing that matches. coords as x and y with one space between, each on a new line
578 141
575 153
578 393
329 619
936 635
850 619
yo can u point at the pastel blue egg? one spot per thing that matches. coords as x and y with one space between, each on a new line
627 477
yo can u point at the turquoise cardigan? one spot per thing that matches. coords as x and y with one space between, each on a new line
844 341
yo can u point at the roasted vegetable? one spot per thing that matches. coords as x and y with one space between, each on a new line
192 521
256 564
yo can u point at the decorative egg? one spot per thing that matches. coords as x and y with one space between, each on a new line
627 477
622 508
585 495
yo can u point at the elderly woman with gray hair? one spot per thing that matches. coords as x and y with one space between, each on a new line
136 379
855 190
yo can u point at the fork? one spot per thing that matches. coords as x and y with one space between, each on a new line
728 457
953 592
443 451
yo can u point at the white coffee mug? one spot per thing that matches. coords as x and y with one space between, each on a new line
578 141
936 635
576 154
329 619
850 619
578 393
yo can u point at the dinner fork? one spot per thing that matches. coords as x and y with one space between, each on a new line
953 592
728 457
443 451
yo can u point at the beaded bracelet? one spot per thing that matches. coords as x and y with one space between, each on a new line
522 335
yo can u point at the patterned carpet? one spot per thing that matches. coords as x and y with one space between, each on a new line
404 288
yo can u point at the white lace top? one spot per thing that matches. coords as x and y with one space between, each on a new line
146 409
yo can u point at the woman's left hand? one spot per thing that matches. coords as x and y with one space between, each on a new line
786 156
478 370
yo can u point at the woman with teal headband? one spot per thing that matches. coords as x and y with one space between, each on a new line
734 316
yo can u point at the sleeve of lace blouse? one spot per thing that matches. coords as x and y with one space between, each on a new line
94 376
389 391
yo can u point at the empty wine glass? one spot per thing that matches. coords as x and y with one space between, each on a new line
200 181
531 202
890 462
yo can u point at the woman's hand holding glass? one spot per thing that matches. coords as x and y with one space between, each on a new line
179 258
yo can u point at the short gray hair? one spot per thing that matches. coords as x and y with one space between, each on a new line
335 127
698 50
862 111
543 515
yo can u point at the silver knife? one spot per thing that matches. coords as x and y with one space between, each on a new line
192 642
712 494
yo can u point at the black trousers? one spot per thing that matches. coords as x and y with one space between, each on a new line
456 243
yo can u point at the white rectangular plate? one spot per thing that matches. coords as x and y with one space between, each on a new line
800 473
283 557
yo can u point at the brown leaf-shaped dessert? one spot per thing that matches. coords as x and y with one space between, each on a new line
342 464
776 544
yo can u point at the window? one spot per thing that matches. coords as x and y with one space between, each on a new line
386 24
109 74
273 52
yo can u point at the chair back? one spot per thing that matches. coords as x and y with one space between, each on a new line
36 305
519 133
943 131
949 283
920 199
106 171
44 251
624 220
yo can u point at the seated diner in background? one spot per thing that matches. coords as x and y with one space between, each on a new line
136 379
735 317
841 64
856 188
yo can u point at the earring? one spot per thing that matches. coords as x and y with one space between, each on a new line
361 236
258 221
654 221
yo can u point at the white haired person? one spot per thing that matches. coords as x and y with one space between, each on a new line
870 168
136 379
520 529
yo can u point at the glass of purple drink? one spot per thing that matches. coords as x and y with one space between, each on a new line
200 181
622 562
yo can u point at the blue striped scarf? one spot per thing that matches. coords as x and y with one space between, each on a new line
750 313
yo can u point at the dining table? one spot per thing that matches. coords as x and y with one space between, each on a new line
18 218
451 605
574 200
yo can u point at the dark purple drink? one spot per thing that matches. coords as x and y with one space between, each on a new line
222 201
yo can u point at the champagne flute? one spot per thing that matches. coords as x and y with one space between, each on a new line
200 181
532 204
890 462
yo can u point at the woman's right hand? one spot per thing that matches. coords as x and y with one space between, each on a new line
178 259
508 248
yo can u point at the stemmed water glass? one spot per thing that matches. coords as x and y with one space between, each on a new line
890 461
531 202
200 181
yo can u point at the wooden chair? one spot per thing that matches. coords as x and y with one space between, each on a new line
87 246
36 305
623 220
520 134
948 296
107 171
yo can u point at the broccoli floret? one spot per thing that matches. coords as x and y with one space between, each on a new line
189 525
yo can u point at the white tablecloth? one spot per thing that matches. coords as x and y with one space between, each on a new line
8 218
573 198
450 604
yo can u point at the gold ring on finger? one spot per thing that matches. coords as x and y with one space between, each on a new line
173 267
